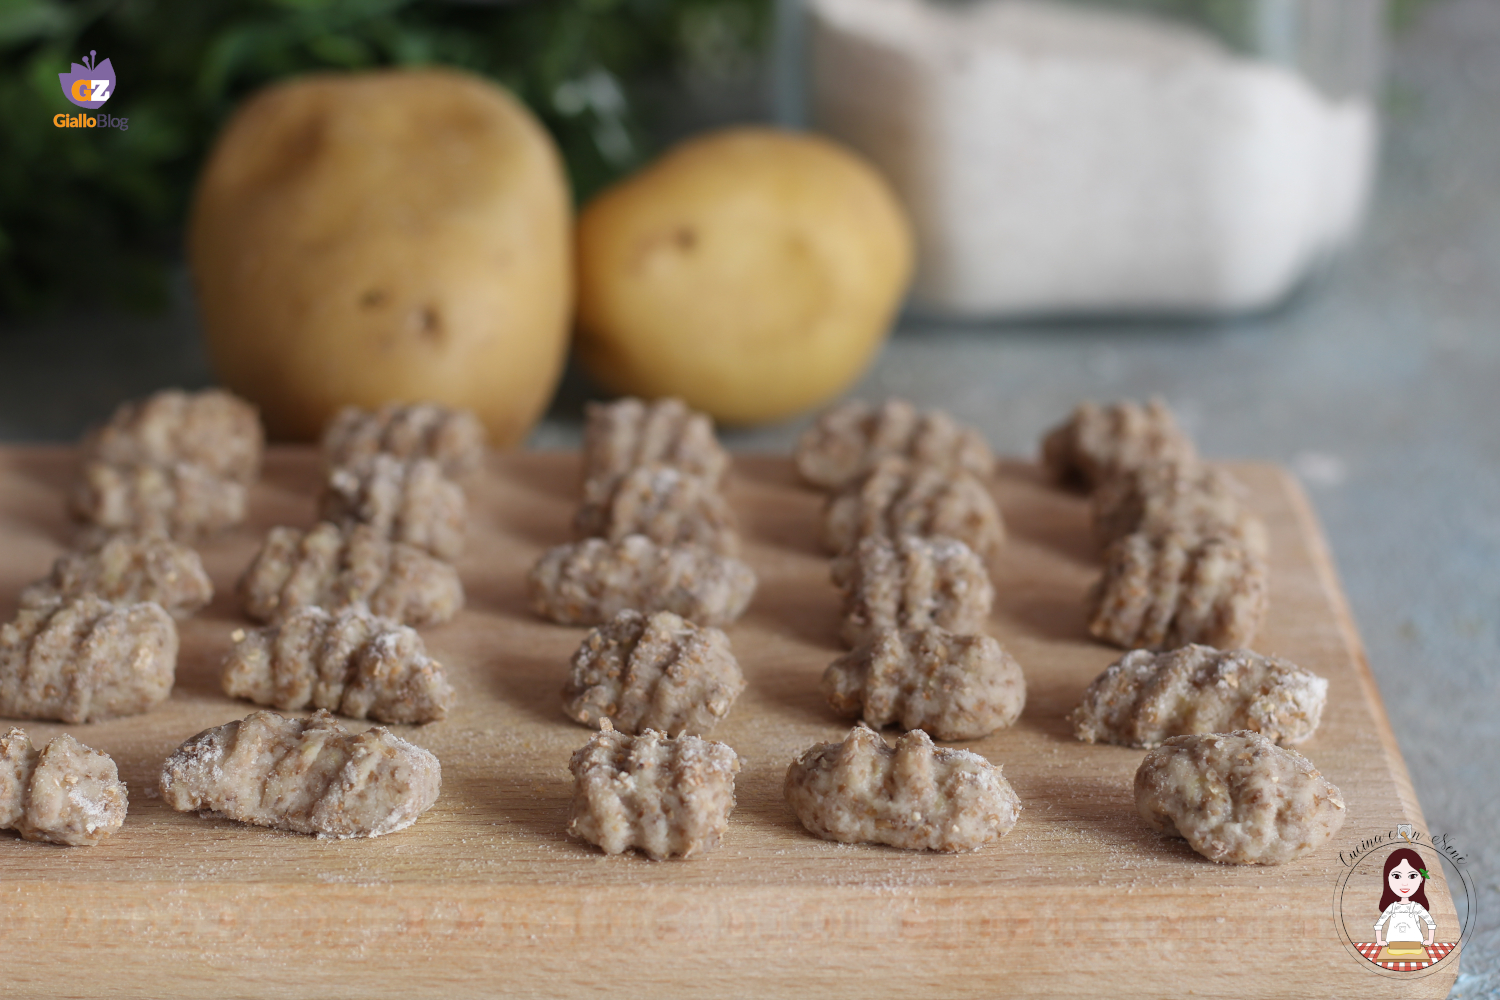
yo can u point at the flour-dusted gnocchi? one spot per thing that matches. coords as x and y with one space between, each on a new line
334 568
304 775
405 500
126 568
630 432
656 671
914 795
589 582
899 497
351 662
844 442
86 659
182 500
1172 589
65 793
1144 697
453 438
1237 798
663 797
213 430
667 505
911 583
956 687
1098 442
1183 497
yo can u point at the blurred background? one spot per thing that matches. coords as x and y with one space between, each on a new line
1297 243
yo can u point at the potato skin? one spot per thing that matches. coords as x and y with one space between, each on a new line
752 272
387 236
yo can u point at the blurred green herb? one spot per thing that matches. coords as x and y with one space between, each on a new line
1404 11
96 216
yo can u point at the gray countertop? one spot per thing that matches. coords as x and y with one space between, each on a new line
1380 386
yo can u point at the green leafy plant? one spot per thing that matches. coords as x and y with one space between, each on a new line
95 215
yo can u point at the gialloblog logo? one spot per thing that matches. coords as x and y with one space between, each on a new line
89 84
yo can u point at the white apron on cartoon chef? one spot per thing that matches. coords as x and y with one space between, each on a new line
1405 927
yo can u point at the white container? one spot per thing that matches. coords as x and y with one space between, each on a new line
1062 158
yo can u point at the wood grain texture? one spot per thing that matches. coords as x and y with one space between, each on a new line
486 895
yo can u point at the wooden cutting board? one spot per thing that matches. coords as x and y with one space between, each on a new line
486 895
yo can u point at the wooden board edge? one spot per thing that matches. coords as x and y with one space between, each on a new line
1324 566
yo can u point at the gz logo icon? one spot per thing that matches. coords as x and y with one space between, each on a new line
89 85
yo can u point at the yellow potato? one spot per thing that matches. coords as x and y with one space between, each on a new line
390 236
752 272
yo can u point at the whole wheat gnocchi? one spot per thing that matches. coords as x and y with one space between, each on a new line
1144 698
453 438
667 505
65 793
213 430
335 567
846 441
351 662
663 797
182 500
1238 798
1168 590
630 432
126 568
1186 498
956 687
304 775
911 583
589 582
914 795
409 501
898 497
86 659
1098 442
656 671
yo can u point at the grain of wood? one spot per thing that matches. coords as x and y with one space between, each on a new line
487 889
